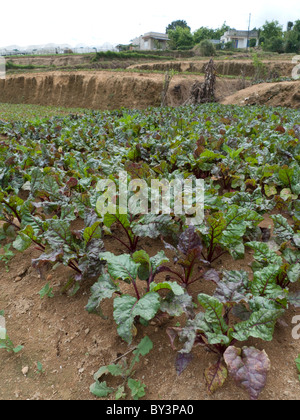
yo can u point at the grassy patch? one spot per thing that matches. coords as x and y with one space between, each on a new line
25 112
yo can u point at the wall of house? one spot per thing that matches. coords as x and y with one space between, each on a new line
242 42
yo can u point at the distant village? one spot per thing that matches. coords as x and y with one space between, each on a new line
53 49
149 41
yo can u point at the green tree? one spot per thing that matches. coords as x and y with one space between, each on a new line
180 39
203 33
221 31
271 30
292 38
175 24
207 33
274 44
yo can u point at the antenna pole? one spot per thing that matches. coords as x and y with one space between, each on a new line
248 40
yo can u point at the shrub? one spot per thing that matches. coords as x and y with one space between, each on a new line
206 48
274 44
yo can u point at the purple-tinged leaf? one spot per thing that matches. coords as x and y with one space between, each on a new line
294 299
241 311
182 362
189 240
249 367
52 257
215 377
172 333
212 275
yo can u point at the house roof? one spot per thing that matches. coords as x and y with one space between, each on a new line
241 34
156 35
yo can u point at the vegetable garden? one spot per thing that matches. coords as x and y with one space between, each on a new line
249 159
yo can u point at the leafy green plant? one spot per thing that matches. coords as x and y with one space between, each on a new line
5 341
297 361
46 291
151 226
6 254
143 307
224 231
257 309
187 254
125 371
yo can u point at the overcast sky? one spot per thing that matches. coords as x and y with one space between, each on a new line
27 22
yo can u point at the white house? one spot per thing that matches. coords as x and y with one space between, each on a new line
151 41
240 39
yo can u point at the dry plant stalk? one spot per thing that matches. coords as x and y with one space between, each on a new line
204 92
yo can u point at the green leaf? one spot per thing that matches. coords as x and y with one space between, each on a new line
293 273
270 190
120 393
103 289
18 349
126 308
298 363
137 388
261 325
92 232
46 291
263 254
265 281
148 306
152 225
144 347
100 389
110 219
178 305
214 312
120 267
169 285
142 258
124 317
214 325
22 242
286 194
158 259
282 229
115 370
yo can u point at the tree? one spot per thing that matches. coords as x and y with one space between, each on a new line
177 23
180 39
292 38
221 31
274 44
203 33
207 33
271 30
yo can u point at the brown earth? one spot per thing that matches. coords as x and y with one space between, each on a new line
233 66
72 345
103 89
223 67
285 94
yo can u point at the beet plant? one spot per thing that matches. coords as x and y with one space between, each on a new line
139 271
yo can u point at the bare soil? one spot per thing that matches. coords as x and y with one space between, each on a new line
72 345
230 67
103 89
286 94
